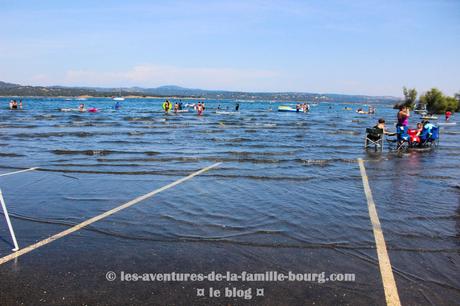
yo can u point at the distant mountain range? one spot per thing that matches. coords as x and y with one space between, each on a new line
9 89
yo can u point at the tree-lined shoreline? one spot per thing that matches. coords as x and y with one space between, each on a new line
433 101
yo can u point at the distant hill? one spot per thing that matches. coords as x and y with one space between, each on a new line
9 89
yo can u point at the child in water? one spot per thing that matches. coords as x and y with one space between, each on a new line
14 104
200 108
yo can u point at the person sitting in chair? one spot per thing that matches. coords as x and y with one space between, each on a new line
375 135
381 125
427 126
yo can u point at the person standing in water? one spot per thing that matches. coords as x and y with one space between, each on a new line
237 107
166 106
81 108
403 116
448 114
200 108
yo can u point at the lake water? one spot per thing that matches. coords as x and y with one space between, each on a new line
288 196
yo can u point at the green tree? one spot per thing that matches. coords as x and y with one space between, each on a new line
451 104
457 97
410 95
437 103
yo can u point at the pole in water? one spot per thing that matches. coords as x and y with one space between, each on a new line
8 221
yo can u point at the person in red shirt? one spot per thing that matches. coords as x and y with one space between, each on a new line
448 114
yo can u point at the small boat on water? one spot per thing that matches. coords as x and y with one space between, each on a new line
422 112
119 98
429 117
287 108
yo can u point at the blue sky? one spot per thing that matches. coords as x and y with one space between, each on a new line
354 47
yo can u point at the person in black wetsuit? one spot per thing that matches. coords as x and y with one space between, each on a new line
237 107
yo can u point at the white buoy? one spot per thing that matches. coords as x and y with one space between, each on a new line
8 221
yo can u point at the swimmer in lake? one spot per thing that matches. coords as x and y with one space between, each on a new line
81 108
117 105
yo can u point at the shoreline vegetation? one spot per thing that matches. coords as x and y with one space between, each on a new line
433 101
107 97
176 92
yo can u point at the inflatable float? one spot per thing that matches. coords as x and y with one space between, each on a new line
72 110
284 108
226 113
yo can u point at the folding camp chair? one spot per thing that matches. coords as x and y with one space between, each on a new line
430 137
402 141
374 138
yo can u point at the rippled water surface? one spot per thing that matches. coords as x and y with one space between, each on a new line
288 196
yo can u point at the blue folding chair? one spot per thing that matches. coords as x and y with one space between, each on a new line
403 137
429 136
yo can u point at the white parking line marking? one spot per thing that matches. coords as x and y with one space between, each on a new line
101 216
20 171
389 283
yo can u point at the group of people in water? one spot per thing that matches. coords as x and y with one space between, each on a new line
302 107
370 111
167 106
237 107
178 107
403 124
198 107
15 105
